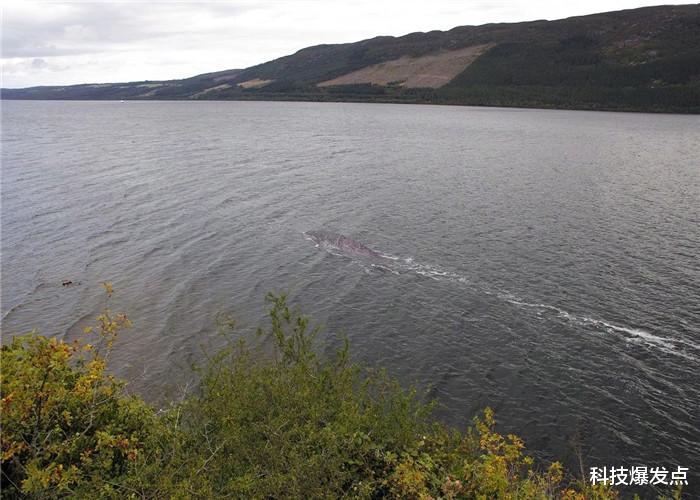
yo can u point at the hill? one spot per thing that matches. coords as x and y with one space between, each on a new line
645 59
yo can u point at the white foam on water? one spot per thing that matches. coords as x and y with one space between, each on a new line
389 256
384 268
670 346
408 264
433 272
665 344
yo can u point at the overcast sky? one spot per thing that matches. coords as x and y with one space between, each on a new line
59 43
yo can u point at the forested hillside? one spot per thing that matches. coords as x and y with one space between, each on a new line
645 59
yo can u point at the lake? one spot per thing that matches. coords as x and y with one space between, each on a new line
544 263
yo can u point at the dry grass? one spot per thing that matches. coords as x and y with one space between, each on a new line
255 83
430 71
211 89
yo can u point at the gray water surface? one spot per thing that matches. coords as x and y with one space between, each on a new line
541 262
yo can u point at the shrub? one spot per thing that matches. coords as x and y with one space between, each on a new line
286 424
67 427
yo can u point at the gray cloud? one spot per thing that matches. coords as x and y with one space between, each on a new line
39 63
52 29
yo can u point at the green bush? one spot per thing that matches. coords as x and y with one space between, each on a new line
288 424
68 428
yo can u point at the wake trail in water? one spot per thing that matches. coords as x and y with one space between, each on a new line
665 344
402 265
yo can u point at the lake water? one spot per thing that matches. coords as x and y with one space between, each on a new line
541 262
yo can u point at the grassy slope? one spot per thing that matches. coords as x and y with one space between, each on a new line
641 59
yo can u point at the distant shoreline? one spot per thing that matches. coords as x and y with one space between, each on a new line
387 101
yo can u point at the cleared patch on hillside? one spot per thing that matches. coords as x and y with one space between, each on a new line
432 71
223 86
255 83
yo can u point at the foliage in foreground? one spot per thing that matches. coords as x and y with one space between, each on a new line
290 425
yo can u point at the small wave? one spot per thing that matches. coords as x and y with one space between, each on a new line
46 213
631 333
384 268
109 244
430 271
398 265
151 251
389 256
11 310
40 285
